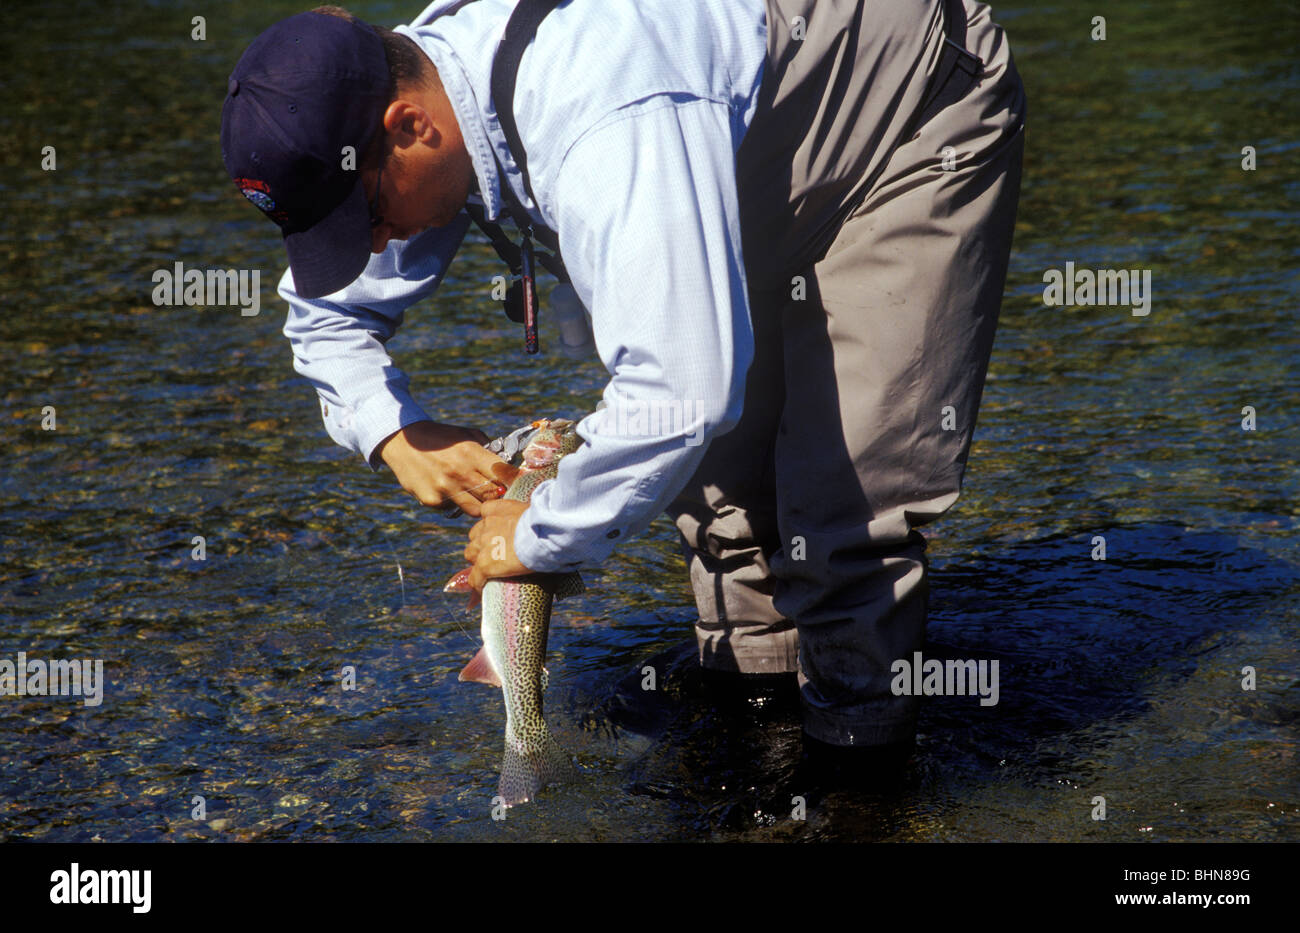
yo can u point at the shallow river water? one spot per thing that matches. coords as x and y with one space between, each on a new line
1120 678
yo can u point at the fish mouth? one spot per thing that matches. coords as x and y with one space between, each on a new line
553 439
540 454
548 445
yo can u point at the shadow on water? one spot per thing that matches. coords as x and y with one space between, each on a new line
1091 655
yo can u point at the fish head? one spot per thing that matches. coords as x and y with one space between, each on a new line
554 440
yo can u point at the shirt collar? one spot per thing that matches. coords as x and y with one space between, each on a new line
455 81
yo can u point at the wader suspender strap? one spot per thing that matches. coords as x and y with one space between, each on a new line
519 31
506 249
521 303
943 89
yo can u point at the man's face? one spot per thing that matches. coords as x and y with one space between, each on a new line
426 171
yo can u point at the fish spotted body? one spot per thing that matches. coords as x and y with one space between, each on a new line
516 622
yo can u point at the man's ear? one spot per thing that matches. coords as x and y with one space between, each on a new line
409 121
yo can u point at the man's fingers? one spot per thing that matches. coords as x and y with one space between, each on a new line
467 503
498 523
480 490
484 488
490 465
503 473
446 467
501 507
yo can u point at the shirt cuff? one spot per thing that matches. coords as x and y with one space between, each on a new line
380 417
536 554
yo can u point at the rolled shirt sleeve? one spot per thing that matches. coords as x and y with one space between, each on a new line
339 341
646 208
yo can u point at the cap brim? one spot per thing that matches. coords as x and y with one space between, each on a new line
329 256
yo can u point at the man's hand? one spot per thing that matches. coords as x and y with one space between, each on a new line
491 548
442 464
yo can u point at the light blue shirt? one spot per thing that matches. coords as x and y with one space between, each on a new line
631 112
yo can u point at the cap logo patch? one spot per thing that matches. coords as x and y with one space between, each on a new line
259 192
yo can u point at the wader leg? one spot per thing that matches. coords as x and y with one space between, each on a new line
808 510
885 363
727 519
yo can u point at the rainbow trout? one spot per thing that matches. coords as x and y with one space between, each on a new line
516 621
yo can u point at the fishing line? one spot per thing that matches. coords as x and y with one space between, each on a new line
401 578
477 642
446 604
454 613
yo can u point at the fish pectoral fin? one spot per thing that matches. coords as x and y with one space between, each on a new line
569 584
459 582
479 670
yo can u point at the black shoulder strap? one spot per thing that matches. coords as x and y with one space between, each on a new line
519 31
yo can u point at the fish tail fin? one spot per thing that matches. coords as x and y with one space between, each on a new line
557 766
524 773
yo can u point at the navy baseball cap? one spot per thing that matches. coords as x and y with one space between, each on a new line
306 88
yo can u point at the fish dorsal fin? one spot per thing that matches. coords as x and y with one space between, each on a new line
480 670
569 584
